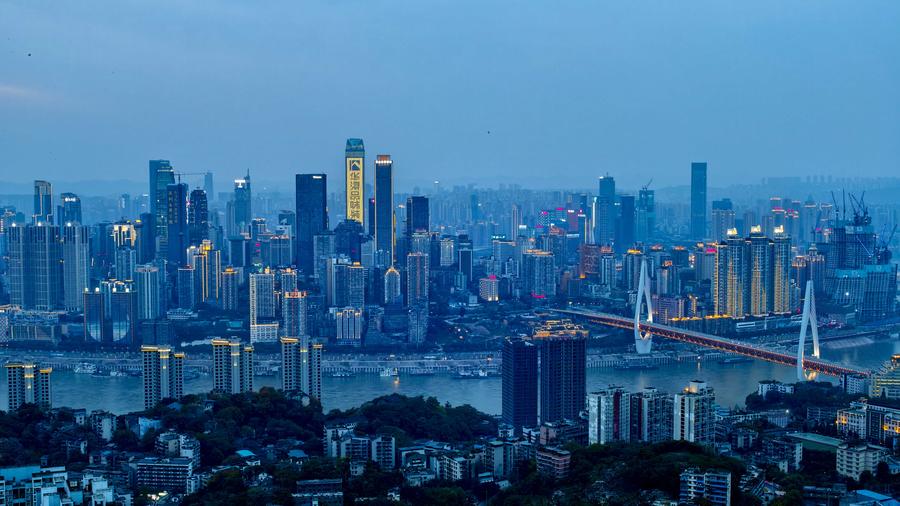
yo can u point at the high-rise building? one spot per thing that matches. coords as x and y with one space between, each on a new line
349 324
35 274
645 221
208 186
311 216
538 275
242 205
759 248
520 380
69 210
198 217
698 200
232 367
709 486
384 206
177 223
75 264
781 272
417 215
301 366
150 292
186 287
625 225
27 383
609 416
694 417
43 203
562 372
294 314
417 279
651 416
161 176
392 291
354 163
207 264
263 326
417 323
163 375
231 281
605 211
722 219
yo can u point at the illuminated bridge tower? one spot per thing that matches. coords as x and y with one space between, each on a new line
643 340
809 319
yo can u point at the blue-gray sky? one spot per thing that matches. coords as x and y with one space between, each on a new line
568 90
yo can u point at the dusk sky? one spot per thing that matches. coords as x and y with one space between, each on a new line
546 94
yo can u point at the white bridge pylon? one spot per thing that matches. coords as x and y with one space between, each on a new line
643 341
809 319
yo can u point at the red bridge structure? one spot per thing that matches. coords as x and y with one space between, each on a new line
715 342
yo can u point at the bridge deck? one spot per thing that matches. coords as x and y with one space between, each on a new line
716 342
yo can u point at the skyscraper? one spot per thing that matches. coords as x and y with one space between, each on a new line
207 264
27 383
349 323
198 217
75 264
722 219
625 226
392 292
43 203
562 372
538 275
70 209
294 314
149 292
781 272
35 274
520 380
694 417
645 222
243 205
301 366
161 176
263 326
163 375
698 200
177 223
311 216
354 163
230 286
384 206
605 211
232 367
417 215
417 279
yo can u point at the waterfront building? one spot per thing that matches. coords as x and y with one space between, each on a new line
349 324
392 292
163 374
694 417
520 383
27 383
301 366
562 371
232 367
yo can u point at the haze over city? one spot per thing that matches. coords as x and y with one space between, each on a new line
466 92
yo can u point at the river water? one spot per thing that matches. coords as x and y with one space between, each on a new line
732 383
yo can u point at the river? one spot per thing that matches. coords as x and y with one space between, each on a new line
732 382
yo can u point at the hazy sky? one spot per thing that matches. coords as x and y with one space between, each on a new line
539 93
